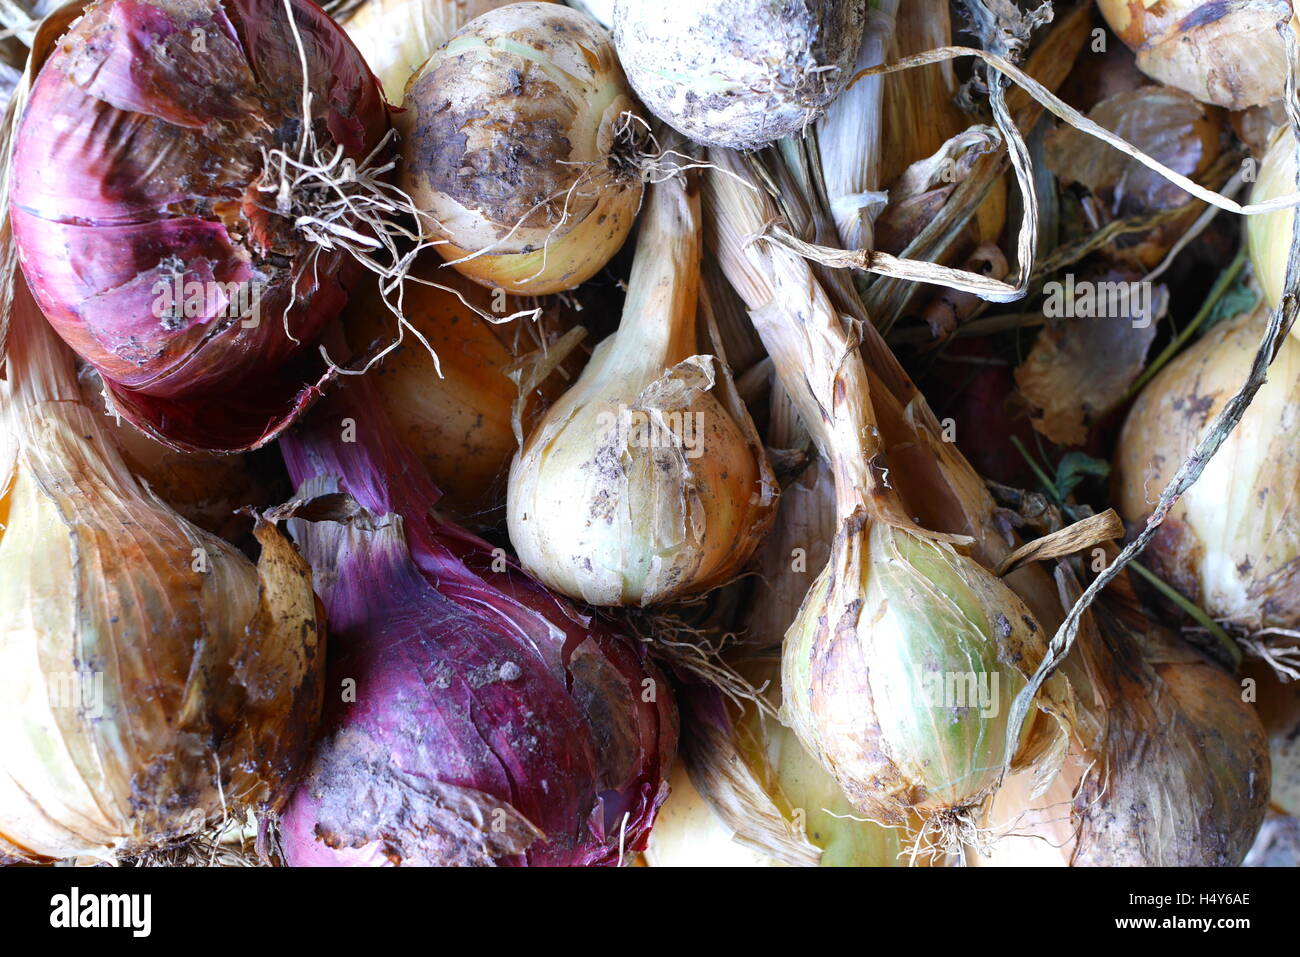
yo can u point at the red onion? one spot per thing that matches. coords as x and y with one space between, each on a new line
149 215
492 722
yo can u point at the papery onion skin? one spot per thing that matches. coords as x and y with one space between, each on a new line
738 73
1232 542
578 727
513 139
1228 54
137 165
152 681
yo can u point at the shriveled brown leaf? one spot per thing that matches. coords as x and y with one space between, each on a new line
1167 124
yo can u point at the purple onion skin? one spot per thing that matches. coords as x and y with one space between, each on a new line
137 161
436 600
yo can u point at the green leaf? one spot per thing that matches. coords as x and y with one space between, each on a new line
1074 467
1239 298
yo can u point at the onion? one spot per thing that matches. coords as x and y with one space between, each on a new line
491 721
1231 542
738 73
458 417
397 36
1268 236
154 225
152 680
646 481
1278 703
1228 54
900 617
518 142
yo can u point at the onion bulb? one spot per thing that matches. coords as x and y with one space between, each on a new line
1228 54
160 218
1278 704
900 669
152 680
458 417
1231 543
738 73
1170 765
1268 235
472 717
646 482
518 140
397 36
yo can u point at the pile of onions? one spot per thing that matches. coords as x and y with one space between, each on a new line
471 716
519 149
897 606
152 680
738 73
459 417
1228 54
397 36
1232 541
161 216
646 482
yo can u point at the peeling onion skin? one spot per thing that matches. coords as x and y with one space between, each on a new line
138 159
179 671
512 148
481 697
1232 542
1225 52
705 67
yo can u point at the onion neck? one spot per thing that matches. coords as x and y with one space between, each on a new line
658 326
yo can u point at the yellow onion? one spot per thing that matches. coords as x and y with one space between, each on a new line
1228 54
646 481
1170 765
1268 236
397 36
1232 541
152 680
899 672
458 417
206 489
518 140
754 796
738 73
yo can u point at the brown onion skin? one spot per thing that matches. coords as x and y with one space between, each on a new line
139 158
1226 53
